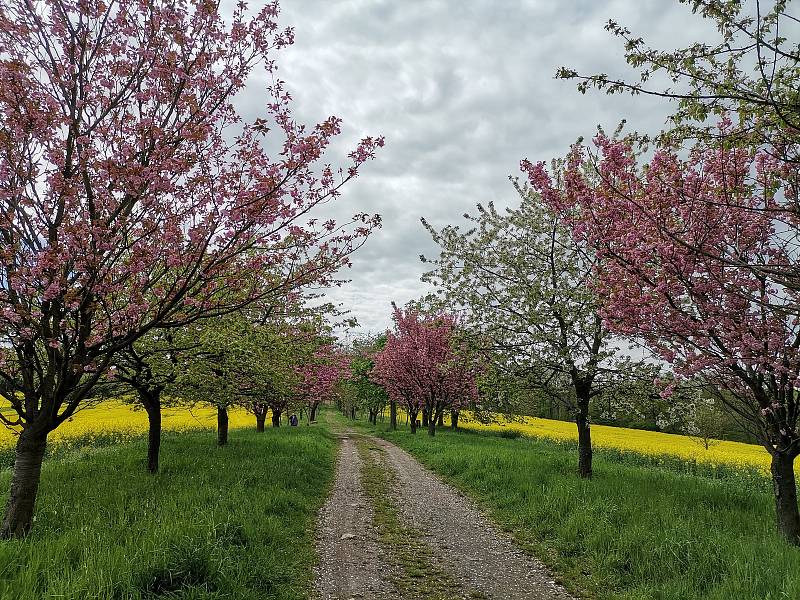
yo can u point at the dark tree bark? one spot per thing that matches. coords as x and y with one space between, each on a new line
783 481
440 419
24 483
425 418
434 418
412 416
276 417
453 419
222 425
584 439
151 401
393 415
312 412
260 411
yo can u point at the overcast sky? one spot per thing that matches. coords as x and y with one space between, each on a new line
462 90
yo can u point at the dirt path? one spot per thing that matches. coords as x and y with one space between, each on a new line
419 538
352 563
473 550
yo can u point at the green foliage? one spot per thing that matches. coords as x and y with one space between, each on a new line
229 523
360 392
634 531
749 73
240 362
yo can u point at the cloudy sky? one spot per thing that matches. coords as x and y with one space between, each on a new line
462 90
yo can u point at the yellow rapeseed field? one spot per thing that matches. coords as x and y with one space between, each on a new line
643 442
117 417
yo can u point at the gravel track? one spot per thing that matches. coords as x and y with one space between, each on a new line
352 562
483 561
478 555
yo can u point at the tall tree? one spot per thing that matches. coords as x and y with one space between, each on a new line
133 195
524 284
664 234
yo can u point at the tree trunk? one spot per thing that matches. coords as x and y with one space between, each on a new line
260 422
152 405
276 418
222 425
786 497
425 418
393 415
440 419
312 413
24 484
434 418
413 420
584 441
453 419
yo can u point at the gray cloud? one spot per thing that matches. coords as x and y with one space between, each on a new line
462 90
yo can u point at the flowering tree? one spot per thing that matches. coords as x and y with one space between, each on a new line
134 197
320 375
423 367
677 242
524 283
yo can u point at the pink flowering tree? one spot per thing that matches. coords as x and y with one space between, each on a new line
134 196
424 367
692 255
321 375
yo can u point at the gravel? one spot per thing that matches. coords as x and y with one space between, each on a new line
478 555
352 563
483 561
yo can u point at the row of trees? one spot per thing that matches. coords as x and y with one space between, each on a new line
684 243
265 363
136 203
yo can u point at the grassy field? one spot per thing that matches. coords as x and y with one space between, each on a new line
634 532
232 522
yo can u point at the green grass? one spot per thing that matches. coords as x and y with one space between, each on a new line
419 575
634 532
233 522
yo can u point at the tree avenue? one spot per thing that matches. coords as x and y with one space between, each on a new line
697 246
135 197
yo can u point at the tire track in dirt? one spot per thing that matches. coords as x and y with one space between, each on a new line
469 547
352 563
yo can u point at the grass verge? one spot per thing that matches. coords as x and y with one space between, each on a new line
233 522
633 532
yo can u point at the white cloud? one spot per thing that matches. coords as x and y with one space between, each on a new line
462 90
